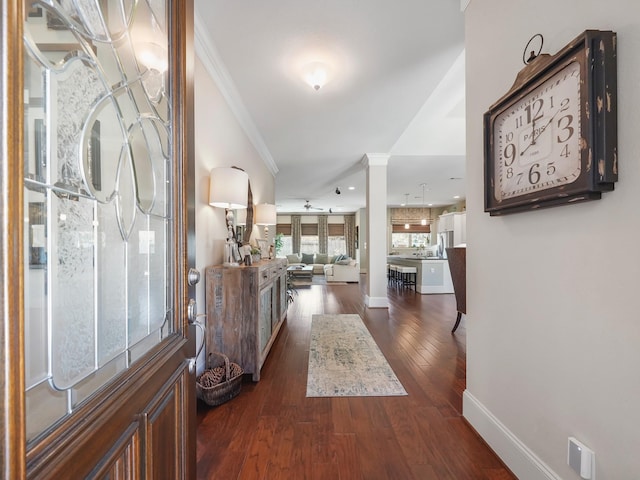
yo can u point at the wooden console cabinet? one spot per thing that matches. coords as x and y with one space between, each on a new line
246 306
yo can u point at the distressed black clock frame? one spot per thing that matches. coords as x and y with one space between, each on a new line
595 51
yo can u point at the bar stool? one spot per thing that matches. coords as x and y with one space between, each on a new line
407 276
393 274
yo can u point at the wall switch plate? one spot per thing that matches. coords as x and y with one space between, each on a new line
581 459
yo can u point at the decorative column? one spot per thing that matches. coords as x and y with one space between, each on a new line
376 239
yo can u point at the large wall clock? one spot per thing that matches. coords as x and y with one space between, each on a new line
552 138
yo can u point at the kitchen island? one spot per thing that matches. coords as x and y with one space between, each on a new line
433 275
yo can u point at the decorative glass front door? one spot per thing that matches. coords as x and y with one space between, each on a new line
106 357
97 189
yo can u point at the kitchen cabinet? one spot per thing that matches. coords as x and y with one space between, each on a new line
445 223
246 307
455 222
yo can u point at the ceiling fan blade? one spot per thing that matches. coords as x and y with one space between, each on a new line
308 206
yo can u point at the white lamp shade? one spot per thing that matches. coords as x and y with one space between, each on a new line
228 188
266 214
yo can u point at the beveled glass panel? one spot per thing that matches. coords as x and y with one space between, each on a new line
35 287
74 89
44 405
141 250
126 196
35 133
84 389
112 287
103 138
71 261
157 270
149 141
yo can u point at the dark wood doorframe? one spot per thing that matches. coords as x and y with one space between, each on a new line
12 425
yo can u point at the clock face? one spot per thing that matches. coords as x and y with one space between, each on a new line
537 138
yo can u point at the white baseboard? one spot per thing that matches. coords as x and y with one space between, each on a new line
376 302
515 454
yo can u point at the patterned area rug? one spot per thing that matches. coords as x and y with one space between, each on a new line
344 360
316 280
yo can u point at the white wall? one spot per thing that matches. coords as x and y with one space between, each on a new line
553 329
220 142
361 254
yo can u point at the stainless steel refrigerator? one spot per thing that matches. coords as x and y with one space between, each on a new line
445 240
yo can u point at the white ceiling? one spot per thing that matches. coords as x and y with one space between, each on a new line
396 86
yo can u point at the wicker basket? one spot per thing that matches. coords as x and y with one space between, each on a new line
220 382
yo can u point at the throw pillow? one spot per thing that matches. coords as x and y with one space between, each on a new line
337 258
344 261
307 258
322 258
293 258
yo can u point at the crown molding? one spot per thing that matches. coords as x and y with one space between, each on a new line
209 56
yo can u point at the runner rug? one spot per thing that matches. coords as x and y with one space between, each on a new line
344 360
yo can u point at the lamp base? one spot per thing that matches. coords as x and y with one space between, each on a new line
231 253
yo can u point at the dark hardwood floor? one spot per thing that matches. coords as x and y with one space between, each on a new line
272 431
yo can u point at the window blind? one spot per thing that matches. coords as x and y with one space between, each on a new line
411 229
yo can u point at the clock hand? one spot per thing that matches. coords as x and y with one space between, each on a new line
533 137
542 129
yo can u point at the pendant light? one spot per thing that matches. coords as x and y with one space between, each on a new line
424 220
406 203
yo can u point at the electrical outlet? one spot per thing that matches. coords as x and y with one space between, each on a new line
581 459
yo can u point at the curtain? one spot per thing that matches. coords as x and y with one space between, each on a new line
295 233
350 234
323 233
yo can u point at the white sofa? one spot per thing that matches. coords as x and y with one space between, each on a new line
317 261
342 273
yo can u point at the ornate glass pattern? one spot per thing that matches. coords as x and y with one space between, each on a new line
97 192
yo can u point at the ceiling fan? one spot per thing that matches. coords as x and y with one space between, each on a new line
308 206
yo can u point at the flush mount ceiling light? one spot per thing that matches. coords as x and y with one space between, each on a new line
314 59
316 75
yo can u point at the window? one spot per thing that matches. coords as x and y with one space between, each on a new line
412 237
309 242
284 229
336 243
287 246
408 240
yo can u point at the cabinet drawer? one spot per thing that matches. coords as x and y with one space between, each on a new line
264 276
